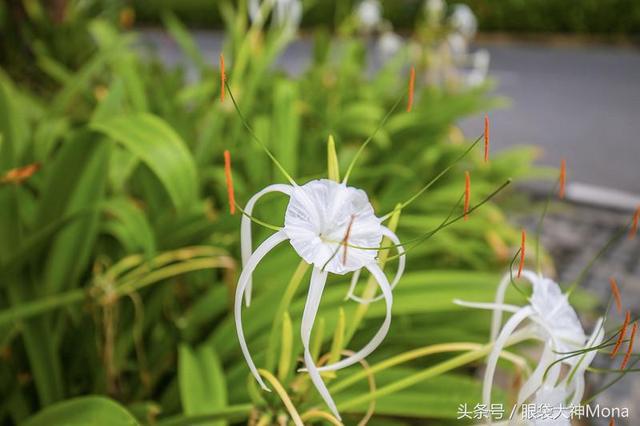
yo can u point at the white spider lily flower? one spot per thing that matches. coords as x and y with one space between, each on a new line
464 21
553 321
369 14
566 392
333 227
480 68
389 44
287 14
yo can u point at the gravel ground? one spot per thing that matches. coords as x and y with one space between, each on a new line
573 235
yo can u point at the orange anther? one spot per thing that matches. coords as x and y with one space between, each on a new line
227 174
630 347
412 81
616 293
522 250
486 138
634 224
467 194
623 332
563 178
223 78
20 174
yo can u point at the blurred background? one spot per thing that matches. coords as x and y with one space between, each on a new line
114 209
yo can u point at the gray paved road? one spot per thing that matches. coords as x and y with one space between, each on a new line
574 102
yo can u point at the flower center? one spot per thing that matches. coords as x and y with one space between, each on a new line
332 226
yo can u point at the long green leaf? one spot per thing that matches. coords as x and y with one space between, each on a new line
202 382
160 148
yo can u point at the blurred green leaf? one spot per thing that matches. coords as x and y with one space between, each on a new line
160 148
82 411
202 383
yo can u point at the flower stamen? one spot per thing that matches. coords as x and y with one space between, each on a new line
486 138
522 252
623 332
616 293
20 174
630 347
345 240
412 81
467 194
223 77
229 179
563 178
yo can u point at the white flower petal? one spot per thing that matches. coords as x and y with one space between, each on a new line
244 279
377 273
492 361
496 318
245 228
319 216
401 265
535 380
496 307
316 286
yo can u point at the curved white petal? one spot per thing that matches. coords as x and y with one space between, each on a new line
492 361
496 307
316 286
244 279
352 287
377 273
402 259
496 319
535 380
578 376
245 228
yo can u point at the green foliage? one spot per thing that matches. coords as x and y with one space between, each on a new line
93 410
117 256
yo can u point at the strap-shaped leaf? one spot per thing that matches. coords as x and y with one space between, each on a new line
160 148
202 381
87 410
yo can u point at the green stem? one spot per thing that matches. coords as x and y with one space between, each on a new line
430 372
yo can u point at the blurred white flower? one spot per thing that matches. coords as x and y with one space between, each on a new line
333 227
457 45
287 14
389 44
479 68
369 13
464 21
